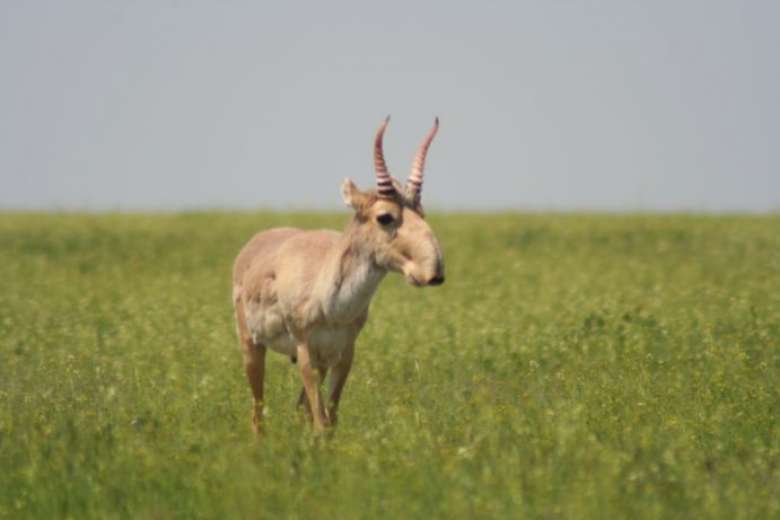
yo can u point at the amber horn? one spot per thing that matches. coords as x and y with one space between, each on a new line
384 184
414 184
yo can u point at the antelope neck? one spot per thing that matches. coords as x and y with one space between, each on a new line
351 280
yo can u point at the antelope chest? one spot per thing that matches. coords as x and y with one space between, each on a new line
327 343
327 339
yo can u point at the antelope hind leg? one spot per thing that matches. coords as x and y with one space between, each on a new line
254 366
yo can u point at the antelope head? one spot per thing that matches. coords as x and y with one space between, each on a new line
390 220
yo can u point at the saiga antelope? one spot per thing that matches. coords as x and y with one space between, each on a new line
306 294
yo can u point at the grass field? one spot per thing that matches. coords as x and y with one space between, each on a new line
571 367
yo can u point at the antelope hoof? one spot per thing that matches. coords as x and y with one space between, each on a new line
257 422
257 427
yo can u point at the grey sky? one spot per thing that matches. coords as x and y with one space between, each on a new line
544 105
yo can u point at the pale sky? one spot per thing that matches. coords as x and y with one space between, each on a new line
547 105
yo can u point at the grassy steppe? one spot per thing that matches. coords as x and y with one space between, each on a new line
575 366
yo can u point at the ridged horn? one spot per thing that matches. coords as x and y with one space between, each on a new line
415 181
384 184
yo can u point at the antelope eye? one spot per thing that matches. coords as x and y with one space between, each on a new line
385 219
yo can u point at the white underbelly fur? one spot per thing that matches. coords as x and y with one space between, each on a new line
343 308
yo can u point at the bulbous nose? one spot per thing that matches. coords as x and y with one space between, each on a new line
438 277
436 280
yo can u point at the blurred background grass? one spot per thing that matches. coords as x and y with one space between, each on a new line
573 366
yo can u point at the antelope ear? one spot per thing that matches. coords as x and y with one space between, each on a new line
352 196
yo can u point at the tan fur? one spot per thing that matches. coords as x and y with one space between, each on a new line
305 294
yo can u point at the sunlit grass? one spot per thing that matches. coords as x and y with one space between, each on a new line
572 366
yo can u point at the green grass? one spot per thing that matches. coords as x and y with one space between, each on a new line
574 366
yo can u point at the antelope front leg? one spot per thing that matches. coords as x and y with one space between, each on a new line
303 400
312 388
338 377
